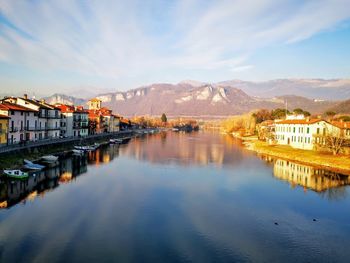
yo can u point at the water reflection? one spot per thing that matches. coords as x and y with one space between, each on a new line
185 149
158 203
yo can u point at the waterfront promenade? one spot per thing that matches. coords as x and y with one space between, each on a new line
54 142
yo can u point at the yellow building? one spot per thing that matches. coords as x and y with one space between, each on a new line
4 123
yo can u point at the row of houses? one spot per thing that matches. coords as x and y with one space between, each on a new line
24 119
302 133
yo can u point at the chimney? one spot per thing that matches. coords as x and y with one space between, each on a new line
25 96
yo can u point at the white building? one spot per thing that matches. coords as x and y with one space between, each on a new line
74 121
303 133
22 122
49 117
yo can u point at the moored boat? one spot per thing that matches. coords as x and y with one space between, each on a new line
32 166
16 174
78 152
49 158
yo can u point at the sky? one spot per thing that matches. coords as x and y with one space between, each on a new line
94 46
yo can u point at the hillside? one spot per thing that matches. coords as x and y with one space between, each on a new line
184 99
333 89
341 107
193 98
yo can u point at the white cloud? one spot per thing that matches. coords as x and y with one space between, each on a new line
124 38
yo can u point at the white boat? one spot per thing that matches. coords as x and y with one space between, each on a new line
78 152
87 148
81 148
114 141
32 166
16 174
49 158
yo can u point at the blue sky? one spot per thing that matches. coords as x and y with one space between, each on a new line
49 46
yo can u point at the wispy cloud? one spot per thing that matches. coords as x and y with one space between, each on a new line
242 68
119 39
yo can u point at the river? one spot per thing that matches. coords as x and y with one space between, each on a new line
176 197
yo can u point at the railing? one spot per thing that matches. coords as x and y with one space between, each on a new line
53 117
13 129
53 128
48 141
31 128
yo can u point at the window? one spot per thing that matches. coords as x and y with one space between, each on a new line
12 112
308 130
293 129
318 131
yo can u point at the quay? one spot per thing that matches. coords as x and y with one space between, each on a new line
31 146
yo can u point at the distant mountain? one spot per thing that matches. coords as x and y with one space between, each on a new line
207 100
64 99
334 89
341 107
193 98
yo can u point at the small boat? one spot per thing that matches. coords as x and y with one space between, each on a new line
78 152
16 174
87 148
49 158
112 141
81 148
32 166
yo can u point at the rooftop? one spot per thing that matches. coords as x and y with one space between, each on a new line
298 121
15 107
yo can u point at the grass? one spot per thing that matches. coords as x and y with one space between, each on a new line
322 159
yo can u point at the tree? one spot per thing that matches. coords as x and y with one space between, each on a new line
330 114
164 118
279 113
332 139
298 111
262 115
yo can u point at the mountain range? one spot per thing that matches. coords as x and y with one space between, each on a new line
198 99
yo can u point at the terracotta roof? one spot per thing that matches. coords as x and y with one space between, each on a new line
95 99
65 108
304 121
4 117
341 124
10 106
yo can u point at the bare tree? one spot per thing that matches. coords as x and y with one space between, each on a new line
333 140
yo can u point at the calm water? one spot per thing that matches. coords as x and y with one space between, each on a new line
176 197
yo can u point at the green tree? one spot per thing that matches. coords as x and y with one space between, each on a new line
298 111
164 118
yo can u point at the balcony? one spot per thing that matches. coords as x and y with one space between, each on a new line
42 115
33 128
53 117
13 129
49 128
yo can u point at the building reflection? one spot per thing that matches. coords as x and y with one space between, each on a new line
197 148
39 183
103 155
308 177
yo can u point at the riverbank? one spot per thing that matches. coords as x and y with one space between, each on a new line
12 157
325 160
